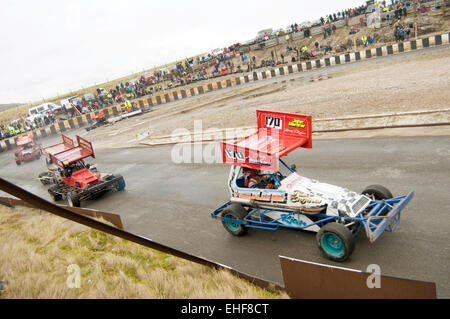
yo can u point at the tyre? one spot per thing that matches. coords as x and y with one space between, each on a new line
120 184
53 191
18 162
73 199
44 178
234 212
335 241
378 192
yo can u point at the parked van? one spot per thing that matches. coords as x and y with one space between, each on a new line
260 35
41 110
69 101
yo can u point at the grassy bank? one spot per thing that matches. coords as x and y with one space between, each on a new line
36 249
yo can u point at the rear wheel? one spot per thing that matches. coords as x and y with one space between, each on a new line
73 199
234 213
378 192
18 162
53 191
120 184
335 241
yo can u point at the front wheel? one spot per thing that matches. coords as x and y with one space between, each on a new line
234 213
44 178
120 185
73 199
378 192
335 241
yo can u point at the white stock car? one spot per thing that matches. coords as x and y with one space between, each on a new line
283 198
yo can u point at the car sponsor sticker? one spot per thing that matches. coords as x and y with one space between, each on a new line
297 123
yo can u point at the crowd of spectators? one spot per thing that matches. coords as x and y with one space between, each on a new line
22 125
236 58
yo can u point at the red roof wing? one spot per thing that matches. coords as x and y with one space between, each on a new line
278 135
61 147
83 150
25 139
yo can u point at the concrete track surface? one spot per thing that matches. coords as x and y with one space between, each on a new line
171 203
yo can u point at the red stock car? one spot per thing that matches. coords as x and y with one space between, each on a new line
28 150
76 180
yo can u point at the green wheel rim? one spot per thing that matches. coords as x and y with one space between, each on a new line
332 245
231 224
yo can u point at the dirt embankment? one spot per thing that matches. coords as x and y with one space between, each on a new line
397 84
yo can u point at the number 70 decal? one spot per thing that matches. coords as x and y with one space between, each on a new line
274 122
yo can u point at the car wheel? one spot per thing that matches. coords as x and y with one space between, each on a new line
335 241
234 212
44 178
18 162
120 184
54 194
377 192
73 199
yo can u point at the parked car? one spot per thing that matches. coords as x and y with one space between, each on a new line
217 52
102 92
148 77
133 82
260 35
306 24
89 97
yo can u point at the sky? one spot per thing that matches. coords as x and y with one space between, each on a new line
51 47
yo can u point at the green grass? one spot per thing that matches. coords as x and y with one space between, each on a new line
38 247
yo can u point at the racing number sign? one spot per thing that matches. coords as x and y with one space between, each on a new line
274 122
234 154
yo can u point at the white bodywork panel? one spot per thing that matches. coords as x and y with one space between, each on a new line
299 191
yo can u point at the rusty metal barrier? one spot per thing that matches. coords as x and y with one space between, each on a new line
308 280
64 212
112 218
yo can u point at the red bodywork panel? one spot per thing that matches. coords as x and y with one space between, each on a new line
83 176
25 154
278 134
58 148
99 115
67 153
25 139
74 154
149 77
27 149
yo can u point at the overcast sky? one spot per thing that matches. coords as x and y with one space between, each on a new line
51 47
